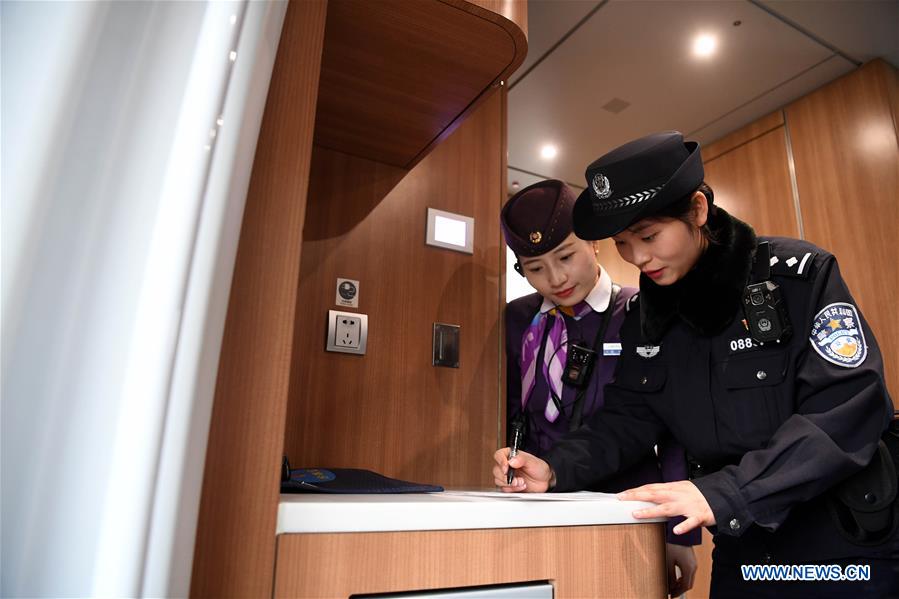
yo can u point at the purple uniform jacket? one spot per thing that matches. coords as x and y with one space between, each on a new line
542 434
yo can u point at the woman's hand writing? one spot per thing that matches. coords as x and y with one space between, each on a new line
532 475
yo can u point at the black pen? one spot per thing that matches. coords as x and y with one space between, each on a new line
517 430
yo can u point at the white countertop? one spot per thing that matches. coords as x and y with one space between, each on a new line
451 510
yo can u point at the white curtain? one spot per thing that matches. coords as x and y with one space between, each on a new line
128 135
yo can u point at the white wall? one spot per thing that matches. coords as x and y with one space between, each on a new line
121 205
516 285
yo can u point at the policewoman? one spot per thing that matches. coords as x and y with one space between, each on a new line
562 344
751 352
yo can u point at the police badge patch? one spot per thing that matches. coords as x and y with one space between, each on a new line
837 335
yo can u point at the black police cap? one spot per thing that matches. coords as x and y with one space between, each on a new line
635 181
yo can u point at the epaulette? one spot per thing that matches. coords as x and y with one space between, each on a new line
797 265
631 301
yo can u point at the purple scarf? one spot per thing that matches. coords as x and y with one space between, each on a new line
554 356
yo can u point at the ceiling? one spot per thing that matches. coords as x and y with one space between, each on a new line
636 54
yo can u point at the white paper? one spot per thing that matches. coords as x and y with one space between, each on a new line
576 496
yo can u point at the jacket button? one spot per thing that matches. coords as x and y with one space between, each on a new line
761 375
644 380
871 498
735 524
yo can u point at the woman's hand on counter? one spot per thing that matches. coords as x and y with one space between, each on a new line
532 475
680 498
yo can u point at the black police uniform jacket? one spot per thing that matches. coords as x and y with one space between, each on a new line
774 426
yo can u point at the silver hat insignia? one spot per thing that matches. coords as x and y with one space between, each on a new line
601 186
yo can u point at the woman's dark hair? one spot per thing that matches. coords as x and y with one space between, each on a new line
682 210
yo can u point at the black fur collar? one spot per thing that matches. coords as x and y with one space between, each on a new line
707 297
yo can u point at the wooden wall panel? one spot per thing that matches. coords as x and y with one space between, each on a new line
847 168
392 411
581 561
235 549
742 136
752 182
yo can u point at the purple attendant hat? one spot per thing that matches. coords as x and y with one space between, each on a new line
538 218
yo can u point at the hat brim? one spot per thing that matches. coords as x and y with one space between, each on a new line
686 179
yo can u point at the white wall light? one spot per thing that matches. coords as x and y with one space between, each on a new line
450 231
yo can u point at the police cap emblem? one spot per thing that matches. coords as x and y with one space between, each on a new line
837 335
602 189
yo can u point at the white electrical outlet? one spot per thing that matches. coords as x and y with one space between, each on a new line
347 332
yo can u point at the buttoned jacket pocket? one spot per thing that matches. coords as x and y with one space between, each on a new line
754 401
758 369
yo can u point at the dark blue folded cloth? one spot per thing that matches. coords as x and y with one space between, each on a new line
349 480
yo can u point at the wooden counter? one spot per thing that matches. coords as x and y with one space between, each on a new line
580 560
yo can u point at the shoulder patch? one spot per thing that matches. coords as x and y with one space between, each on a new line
837 335
789 265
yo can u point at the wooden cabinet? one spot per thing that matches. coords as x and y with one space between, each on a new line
588 546
345 76
397 76
392 411
620 562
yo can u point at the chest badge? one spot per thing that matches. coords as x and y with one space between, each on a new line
837 335
648 351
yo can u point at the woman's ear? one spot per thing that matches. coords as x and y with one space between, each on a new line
699 208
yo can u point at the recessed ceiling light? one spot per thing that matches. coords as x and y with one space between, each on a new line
704 45
548 152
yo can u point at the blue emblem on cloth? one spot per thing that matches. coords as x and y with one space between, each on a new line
837 335
312 475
